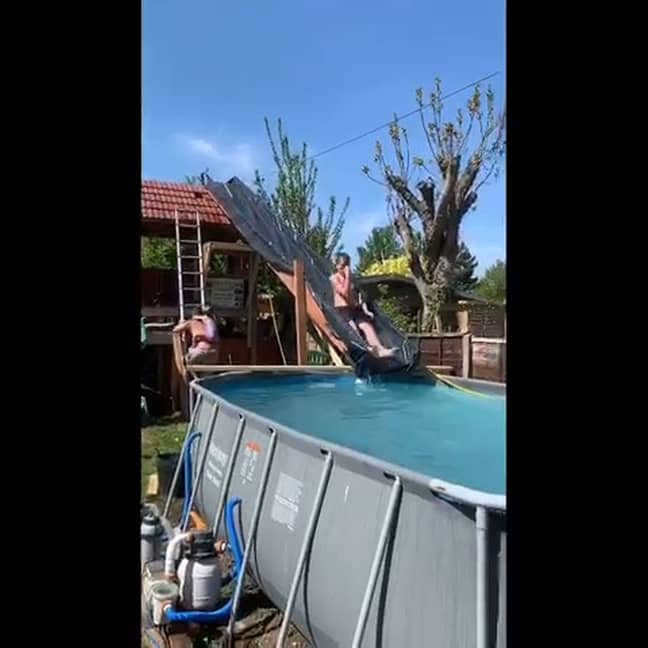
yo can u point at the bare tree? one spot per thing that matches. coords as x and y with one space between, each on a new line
427 214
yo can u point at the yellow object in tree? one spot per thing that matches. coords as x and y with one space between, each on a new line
396 266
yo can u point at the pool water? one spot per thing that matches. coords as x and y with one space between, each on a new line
431 429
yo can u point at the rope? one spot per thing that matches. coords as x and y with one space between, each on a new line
276 328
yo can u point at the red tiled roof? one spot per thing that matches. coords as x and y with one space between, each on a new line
160 200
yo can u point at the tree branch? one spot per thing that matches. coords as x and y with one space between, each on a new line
468 202
426 189
401 188
468 177
406 233
365 170
487 175
445 208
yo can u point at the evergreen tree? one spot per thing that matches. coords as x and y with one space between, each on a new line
492 286
463 271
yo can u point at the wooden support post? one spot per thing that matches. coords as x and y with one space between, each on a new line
299 291
174 386
463 317
162 361
466 353
253 271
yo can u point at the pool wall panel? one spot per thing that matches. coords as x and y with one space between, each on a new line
426 590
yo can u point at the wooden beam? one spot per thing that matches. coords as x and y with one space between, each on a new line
299 291
290 369
252 308
178 354
314 311
466 355
153 485
160 311
161 355
159 338
222 246
463 320
332 351
175 381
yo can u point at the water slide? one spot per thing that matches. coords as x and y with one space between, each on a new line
273 240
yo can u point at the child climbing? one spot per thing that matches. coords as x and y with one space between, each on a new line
204 333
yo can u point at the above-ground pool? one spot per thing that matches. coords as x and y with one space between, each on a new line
435 430
374 513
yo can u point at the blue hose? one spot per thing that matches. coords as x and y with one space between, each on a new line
222 614
187 477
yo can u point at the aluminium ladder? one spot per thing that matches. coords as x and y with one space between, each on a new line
191 274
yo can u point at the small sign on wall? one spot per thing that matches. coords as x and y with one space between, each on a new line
226 294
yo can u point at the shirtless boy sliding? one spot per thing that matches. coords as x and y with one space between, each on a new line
346 303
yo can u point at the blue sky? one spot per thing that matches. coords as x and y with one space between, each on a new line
331 70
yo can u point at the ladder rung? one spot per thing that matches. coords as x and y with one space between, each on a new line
186 256
191 225
189 241
191 288
191 272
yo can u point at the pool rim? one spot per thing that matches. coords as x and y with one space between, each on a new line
438 487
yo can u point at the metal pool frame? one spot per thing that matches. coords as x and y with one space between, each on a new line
355 551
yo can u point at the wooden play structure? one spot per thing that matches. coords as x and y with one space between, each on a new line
200 229
191 216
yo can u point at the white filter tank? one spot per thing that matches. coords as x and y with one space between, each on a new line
199 575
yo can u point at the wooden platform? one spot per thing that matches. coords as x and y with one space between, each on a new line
216 369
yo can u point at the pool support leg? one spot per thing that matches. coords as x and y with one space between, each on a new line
186 459
306 545
254 523
176 474
228 475
203 460
375 565
481 523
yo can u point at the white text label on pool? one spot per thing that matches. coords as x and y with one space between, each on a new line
285 506
250 456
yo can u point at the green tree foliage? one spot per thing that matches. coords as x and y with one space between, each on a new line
463 154
380 245
492 286
158 253
293 197
463 272
394 308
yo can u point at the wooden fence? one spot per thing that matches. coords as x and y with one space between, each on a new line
488 359
470 357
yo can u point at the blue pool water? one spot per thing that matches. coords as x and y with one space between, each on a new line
431 429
